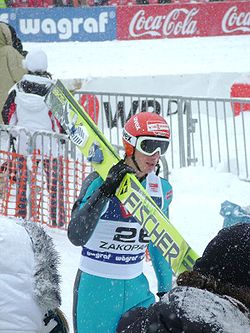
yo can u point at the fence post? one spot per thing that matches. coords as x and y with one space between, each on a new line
190 130
181 133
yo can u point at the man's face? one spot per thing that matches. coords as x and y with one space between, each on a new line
146 163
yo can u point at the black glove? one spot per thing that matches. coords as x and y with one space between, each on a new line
168 318
153 321
160 294
55 322
114 178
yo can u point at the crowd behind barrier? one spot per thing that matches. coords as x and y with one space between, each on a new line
81 3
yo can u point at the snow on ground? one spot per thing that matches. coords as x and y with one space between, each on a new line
184 66
198 192
147 57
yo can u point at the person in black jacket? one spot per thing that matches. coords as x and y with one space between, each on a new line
214 297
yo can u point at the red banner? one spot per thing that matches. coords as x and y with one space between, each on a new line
186 20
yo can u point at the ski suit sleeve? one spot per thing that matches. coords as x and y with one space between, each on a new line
86 210
161 267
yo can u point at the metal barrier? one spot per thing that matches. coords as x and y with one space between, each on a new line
41 173
43 183
204 131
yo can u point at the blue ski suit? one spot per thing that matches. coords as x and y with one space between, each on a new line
110 279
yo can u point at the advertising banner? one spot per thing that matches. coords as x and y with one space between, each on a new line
62 24
175 20
183 20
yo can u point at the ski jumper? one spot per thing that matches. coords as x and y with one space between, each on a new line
110 279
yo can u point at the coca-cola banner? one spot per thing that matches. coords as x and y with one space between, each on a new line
186 20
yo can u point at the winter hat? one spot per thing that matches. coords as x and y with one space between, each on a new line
36 61
227 256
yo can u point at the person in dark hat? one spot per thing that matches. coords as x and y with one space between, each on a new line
214 297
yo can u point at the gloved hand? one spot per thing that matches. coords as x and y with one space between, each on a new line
114 178
49 323
160 294
168 319
55 322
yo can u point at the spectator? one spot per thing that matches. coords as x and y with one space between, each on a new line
164 1
110 279
142 2
214 297
11 69
16 42
29 280
25 107
31 3
63 3
101 2
2 4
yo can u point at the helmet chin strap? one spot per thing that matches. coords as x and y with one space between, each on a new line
157 171
135 163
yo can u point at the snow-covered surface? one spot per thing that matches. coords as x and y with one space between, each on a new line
195 304
148 57
185 66
198 192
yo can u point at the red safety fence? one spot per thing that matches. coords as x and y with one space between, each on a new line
42 189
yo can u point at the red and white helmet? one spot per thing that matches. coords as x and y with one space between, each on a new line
147 124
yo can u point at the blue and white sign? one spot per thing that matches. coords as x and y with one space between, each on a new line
62 24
